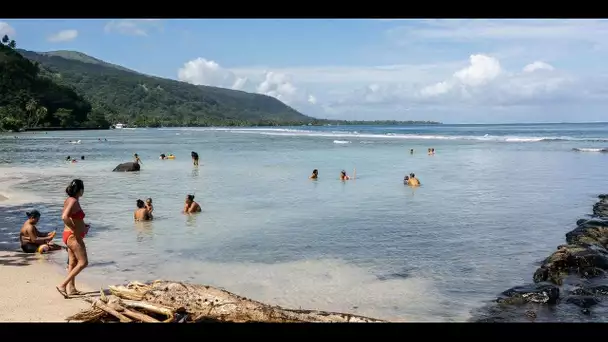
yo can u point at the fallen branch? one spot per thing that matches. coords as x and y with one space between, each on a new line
99 304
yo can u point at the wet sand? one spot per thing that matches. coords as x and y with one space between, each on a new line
28 290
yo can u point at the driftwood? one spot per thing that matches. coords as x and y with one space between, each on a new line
181 302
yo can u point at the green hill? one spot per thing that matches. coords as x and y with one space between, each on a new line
133 98
28 99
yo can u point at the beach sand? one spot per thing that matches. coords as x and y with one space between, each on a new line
28 290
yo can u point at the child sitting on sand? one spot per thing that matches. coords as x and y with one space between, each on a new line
31 239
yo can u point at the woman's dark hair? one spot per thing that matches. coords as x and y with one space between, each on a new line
140 204
315 171
190 197
82 157
412 175
74 188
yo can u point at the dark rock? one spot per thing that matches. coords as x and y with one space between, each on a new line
599 290
589 232
600 209
533 293
583 301
127 167
584 261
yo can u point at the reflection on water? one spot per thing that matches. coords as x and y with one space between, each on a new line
144 229
191 219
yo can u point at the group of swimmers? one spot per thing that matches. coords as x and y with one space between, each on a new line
343 175
430 151
144 209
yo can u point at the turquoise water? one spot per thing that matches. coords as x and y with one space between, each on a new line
494 201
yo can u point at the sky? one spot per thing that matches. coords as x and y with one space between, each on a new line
448 70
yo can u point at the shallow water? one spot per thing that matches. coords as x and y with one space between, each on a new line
494 201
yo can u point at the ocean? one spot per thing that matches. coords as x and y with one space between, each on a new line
495 200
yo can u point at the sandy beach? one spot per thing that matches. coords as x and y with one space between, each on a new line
28 290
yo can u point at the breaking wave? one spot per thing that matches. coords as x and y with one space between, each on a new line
344 135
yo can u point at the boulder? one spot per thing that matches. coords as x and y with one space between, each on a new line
589 233
532 293
586 262
127 167
600 209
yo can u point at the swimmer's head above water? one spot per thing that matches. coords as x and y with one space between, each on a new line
189 199
140 204
75 189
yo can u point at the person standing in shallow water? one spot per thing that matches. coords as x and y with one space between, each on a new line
194 158
137 160
73 237
141 213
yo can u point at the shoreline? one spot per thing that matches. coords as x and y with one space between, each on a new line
568 284
29 295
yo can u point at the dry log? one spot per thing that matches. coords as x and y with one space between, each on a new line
155 308
209 303
111 311
139 316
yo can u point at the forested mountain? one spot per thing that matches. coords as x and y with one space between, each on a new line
71 89
28 99
130 97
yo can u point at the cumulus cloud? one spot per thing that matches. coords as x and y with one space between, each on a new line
132 27
6 29
63 36
405 91
538 65
280 85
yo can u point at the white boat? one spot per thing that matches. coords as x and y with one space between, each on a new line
119 126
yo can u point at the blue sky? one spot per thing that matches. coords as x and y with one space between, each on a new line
454 71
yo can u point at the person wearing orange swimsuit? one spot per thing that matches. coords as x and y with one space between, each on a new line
73 236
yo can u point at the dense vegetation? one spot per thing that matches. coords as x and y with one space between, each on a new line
133 98
28 99
71 89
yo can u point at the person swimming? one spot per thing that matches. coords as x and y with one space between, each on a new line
74 232
141 213
413 181
406 180
149 205
68 158
191 206
315 174
137 160
162 156
344 176
411 151
194 156
81 157
31 239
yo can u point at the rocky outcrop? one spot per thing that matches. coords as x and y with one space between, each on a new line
127 167
573 277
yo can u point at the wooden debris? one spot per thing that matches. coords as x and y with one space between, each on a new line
169 301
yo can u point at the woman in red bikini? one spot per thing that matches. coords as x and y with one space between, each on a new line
73 234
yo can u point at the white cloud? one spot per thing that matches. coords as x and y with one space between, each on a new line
280 85
6 29
538 65
406 91
471 70
63 36
132 27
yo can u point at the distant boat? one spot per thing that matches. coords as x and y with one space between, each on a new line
119 126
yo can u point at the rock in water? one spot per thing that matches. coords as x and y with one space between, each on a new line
127 167
532 293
